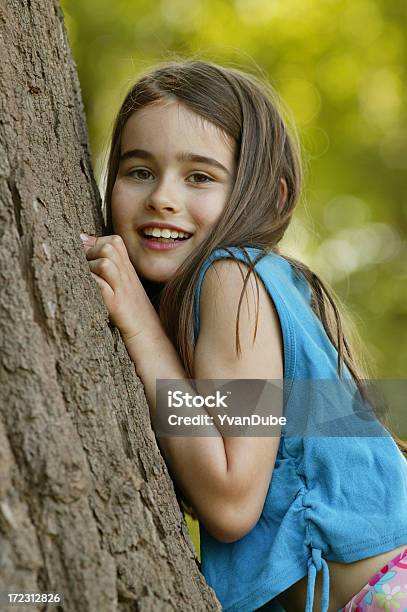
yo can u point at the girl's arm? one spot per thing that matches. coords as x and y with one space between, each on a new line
226 479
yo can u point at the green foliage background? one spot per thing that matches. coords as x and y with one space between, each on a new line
340 66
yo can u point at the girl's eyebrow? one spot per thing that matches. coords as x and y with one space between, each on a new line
185 156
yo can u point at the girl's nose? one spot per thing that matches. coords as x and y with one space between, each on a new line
161 205
163 198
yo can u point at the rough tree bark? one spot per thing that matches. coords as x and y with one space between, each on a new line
87 507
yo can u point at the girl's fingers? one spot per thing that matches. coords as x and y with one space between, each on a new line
110 247
107 270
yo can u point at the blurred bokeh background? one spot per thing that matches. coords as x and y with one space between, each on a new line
341 67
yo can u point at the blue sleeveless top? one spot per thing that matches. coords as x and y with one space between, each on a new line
330 498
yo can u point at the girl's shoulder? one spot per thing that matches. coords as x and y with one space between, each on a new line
227 321
274 270
290 295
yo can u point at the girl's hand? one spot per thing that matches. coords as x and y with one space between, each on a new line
122 291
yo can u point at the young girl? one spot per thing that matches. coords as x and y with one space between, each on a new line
203 178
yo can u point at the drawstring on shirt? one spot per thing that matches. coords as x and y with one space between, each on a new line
315 564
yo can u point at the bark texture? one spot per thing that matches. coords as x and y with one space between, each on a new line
87 507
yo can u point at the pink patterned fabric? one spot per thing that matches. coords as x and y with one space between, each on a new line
385 591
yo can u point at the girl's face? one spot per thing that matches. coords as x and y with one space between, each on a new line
176 170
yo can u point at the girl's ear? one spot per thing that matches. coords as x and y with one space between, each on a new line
283 194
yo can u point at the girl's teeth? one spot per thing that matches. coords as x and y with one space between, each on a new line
165 233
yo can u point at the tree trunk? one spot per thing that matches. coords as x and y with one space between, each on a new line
87 507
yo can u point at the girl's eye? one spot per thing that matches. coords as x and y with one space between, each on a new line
140 173
202 176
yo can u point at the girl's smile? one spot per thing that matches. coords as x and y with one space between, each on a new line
163 236
176 174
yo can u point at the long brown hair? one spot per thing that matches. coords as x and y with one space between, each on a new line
248 110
